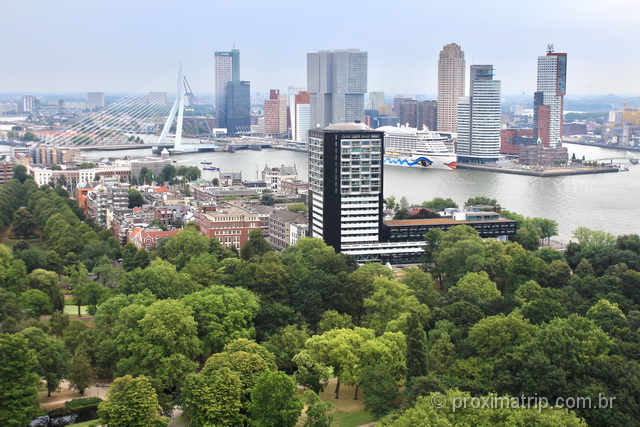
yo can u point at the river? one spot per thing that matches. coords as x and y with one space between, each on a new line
608 202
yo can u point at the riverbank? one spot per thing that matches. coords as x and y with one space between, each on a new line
539 172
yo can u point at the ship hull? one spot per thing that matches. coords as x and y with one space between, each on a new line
424 162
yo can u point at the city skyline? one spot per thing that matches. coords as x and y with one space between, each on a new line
117 47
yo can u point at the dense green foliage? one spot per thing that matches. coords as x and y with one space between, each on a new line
223 335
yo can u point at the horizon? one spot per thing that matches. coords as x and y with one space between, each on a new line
115 47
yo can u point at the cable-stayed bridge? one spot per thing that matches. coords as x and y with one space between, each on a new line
148 117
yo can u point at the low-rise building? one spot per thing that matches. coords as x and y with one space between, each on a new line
148 238
229 224
286 227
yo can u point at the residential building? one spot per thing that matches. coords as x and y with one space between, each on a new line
95 100
345 184
451 70
275 176
337 82
227 69
6 169
275 114
549 97
479 118
286 227
148 238
28 104
301 120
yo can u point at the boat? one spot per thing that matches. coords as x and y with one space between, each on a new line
210 168
410 147
205 162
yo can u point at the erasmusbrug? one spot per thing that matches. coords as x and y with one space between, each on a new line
152 117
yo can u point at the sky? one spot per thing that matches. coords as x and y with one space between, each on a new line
129 45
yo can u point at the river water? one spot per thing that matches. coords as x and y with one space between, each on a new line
608 202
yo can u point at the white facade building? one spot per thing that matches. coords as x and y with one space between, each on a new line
479 118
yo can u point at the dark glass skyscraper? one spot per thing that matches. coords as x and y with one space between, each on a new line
238 107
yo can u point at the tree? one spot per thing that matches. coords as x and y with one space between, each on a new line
416 348
24 224
481 200
18 381
20 173
131 402
274 401
47 282
440 204
496 335
136 199
58 323
212 397
52 356
166 342
223 314
161 278
318 413
546 227
593 238
298 207
35 303
391 203
331 319
184 245
390 304
256 245
439 409
81 374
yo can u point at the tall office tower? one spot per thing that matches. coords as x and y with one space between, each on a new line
451 67
375 100
275 114
418 114
479 118
238 107
28 104
95 100
227 70
345 184
301 123
552 86
337 82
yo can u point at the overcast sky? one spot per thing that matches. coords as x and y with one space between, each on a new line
122 45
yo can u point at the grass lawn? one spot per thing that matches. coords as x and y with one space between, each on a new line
73 309
347 411
85 424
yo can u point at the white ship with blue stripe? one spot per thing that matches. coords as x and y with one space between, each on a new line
410 147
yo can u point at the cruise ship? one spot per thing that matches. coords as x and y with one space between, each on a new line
411 147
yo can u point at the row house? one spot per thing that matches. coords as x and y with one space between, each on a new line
125 220
229 224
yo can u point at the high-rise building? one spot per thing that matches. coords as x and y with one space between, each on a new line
375 100
337 82
28 104
301 123
227 70
451 68
95 100
417 114
275 114
345 184
238 107
549 98
479 118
